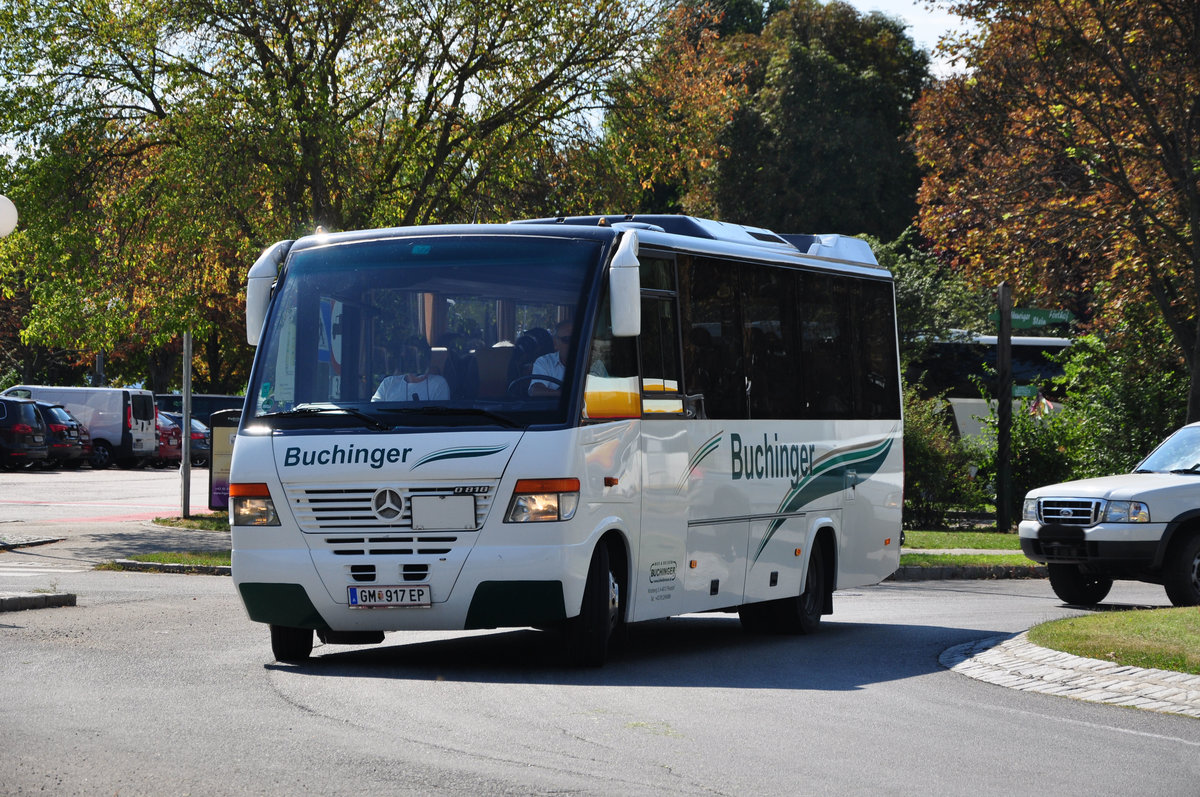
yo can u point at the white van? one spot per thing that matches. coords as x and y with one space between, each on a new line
120 420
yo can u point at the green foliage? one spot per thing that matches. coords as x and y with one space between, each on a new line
1040 452
937 470
1124 393
931 297
165 144
819 144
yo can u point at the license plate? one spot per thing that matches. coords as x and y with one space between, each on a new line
37 438
413 596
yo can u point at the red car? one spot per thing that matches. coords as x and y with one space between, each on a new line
170 443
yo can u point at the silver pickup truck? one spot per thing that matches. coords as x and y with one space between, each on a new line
1140 526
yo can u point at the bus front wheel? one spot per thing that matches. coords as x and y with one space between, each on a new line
291 644
589 634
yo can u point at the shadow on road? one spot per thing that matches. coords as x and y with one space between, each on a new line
682 651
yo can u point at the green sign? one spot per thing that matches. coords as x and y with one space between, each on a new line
1032 317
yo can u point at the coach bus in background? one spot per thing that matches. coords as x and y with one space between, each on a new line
963 368
716 426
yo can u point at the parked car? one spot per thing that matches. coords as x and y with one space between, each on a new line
121 420
85 438
22 433
62 436
170 442
1140 526
200 442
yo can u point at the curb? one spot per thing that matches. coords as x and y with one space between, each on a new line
21 601
1016 663
966 572
157 567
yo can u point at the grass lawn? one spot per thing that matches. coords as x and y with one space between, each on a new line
213 521
1165 639
962 539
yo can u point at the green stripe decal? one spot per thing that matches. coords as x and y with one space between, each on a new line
458 453
709 446
828 476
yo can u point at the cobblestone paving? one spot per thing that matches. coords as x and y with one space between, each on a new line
1016 663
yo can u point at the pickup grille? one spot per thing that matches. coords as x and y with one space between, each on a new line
1071 511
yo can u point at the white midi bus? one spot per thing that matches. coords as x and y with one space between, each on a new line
586 422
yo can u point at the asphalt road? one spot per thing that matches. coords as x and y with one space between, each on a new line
159 684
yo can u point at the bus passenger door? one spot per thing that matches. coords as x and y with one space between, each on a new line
664 448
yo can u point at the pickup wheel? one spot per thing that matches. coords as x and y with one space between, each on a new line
1074 586
1181 573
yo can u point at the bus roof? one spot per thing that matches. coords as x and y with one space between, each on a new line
834 247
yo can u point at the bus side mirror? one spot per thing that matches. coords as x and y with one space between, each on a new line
262 276
625 288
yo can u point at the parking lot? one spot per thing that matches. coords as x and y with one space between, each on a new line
35 497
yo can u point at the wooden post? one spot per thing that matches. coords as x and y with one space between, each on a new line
1004 411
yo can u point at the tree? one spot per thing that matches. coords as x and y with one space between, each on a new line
1065 158
820 145
797 124
186 136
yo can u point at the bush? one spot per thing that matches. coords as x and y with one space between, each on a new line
1125 392
937 472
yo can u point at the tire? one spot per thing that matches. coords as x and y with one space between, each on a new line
291 644
601 614
1075 587
102 455
757 618
802 615
1181 572
798 615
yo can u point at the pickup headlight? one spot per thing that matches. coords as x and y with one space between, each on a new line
1126 512
1029 509
251 505
541 500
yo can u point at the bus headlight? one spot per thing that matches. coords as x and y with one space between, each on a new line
1126 512
251 505
541 500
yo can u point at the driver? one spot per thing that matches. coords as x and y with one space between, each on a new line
553 364
412 380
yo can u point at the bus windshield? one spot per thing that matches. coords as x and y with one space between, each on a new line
425 330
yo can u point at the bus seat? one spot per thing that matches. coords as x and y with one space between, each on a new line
493 371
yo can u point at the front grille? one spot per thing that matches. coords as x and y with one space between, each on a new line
1071 511
324 508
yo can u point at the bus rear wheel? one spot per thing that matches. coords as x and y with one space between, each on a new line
798 615
588 635
291 644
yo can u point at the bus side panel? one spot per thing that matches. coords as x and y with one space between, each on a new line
777 571
869 543
659 589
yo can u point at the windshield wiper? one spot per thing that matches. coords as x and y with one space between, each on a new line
1193 469
436 410
310 409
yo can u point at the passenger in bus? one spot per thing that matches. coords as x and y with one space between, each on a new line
412 380
553 364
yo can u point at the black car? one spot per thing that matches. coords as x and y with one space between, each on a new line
22 433
62 436
201 441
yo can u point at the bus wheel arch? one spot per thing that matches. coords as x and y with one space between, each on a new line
802 614
600 624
